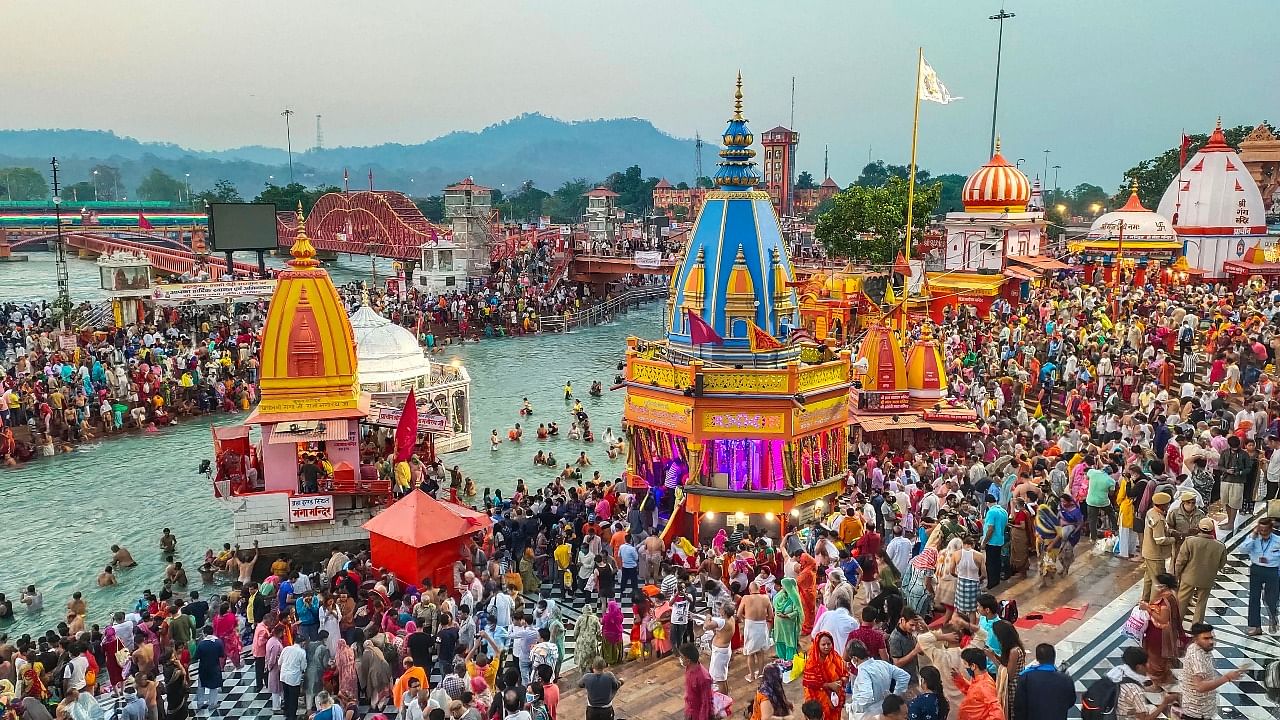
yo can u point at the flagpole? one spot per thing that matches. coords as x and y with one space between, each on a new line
911 185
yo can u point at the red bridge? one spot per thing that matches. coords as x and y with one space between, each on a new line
165 259
383 223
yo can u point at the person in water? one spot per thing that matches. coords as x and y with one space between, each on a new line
568 390
494 440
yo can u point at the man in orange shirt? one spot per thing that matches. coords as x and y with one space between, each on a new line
413 678
980 700
850 528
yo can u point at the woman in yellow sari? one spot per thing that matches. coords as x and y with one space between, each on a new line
33 682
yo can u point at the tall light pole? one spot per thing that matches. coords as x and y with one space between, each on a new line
63 303
995 100
95 185
288 138
1044 179
1056 169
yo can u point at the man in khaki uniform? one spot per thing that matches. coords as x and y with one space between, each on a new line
1199 561
1157 543
1183 520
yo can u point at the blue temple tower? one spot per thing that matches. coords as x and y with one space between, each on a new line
750 427
736 266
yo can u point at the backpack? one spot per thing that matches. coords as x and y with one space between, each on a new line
1100 698
1008 611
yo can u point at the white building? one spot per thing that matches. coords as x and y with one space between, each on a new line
996 222
390 363
1216 208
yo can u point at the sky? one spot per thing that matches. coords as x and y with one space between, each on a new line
1100 84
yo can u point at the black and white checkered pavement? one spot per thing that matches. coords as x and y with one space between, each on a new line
1095 647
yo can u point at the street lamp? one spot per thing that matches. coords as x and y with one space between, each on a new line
188 188
1045 176
995 99
1018 164
95 185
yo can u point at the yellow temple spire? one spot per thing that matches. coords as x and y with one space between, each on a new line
303 252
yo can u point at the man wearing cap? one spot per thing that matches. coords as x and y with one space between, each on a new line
1196 566
1183 521
1157 544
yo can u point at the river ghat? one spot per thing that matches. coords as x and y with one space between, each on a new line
126 489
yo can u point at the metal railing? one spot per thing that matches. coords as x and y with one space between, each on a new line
602 311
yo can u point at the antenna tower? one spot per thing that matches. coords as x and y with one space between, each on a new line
697 154
319 135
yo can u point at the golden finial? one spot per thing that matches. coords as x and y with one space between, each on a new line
997 144
1219 122
737 99
303 251
1135 184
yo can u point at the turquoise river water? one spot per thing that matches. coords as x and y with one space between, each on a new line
63 514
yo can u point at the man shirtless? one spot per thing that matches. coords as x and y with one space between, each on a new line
106 578
723 628
755 612
121 558
652 551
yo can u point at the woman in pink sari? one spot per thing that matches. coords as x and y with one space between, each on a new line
345 659
226 628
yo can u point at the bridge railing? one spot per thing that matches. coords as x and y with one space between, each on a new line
603 311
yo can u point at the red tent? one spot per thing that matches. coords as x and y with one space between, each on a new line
420 537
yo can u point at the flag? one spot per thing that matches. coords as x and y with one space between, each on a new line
407 429
761 341
1182 152
930 87
143 222
900 265
889 297
700 332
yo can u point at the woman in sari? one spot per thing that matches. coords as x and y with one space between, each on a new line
787 613
33 682
1020 536
918 584
807 585
528 576
111 647
824 677
226 628
771 697
587 638
1050 541
1071 521
1164 639
611 631
1011 661
348 678
945 574
375 675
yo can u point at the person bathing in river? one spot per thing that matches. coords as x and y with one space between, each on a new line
494 440
121 558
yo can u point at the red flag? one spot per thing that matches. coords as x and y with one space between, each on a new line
407 429
761 341
1182 153
143 222
700 332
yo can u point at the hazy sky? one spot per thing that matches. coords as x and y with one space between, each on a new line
1102 84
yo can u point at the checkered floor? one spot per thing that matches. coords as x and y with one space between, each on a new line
240 699
1227 612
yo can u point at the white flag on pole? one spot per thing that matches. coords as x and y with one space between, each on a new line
931 88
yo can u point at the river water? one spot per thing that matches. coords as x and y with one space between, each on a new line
64 513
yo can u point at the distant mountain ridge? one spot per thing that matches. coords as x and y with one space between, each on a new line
532 146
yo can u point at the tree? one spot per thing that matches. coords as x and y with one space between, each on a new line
222 191
288 196
705 182
433 206
107 180
635 192
867 223
876 174
682 185
525 204
952 198
804 181
22 183
79 192
1081 199
158 185
1154 175
568 203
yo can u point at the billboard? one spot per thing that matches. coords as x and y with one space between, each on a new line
213 291
242 226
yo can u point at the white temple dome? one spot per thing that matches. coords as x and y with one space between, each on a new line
386 352
1139 224
1215 194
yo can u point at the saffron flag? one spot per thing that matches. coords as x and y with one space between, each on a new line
930 88
761 341
407 429
1182 151
700 331
143 222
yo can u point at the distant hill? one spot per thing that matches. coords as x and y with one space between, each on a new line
529 147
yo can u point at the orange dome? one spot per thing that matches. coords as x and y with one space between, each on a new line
886 367
997 187
926 370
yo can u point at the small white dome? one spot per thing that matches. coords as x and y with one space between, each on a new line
1139 224
385 352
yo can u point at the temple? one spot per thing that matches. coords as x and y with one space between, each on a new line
1130 245
1217 212
731 418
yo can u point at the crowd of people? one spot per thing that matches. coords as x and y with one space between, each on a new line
1102 433
59 390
